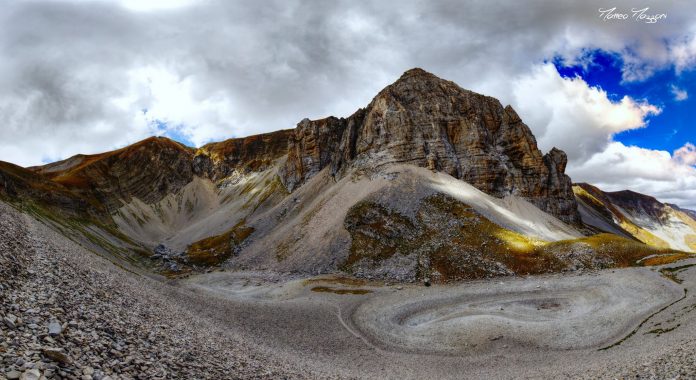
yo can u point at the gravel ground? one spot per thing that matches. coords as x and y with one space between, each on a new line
414 332
67 313
553 312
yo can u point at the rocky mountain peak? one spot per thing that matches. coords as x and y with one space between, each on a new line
419 91
416 80
430 122
416 71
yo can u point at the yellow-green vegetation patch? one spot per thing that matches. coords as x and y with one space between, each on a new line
621 251
643 235
214 250
665 259
585 195
690 241
326 289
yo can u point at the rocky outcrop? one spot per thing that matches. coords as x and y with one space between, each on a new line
253 153
313 146
147 170
430 122
157 166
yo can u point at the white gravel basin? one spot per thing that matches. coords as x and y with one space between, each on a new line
571 312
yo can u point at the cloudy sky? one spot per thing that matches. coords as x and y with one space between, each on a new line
88 76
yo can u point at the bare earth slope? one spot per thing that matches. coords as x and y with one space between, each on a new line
110 323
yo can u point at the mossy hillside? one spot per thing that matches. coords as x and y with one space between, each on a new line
20 184
454 242
216 249
615 251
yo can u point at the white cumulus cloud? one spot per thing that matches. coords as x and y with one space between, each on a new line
570 114
686 155
670 178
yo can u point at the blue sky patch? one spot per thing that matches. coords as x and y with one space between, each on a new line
172 131
667 131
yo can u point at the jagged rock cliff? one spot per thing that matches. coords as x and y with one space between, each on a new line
430 122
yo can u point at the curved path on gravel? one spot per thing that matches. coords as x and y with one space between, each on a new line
559 313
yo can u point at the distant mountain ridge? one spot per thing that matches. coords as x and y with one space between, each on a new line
429 181
638 215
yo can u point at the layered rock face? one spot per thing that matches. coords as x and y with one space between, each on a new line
430 122
312 147
220 159
147 170
157 166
